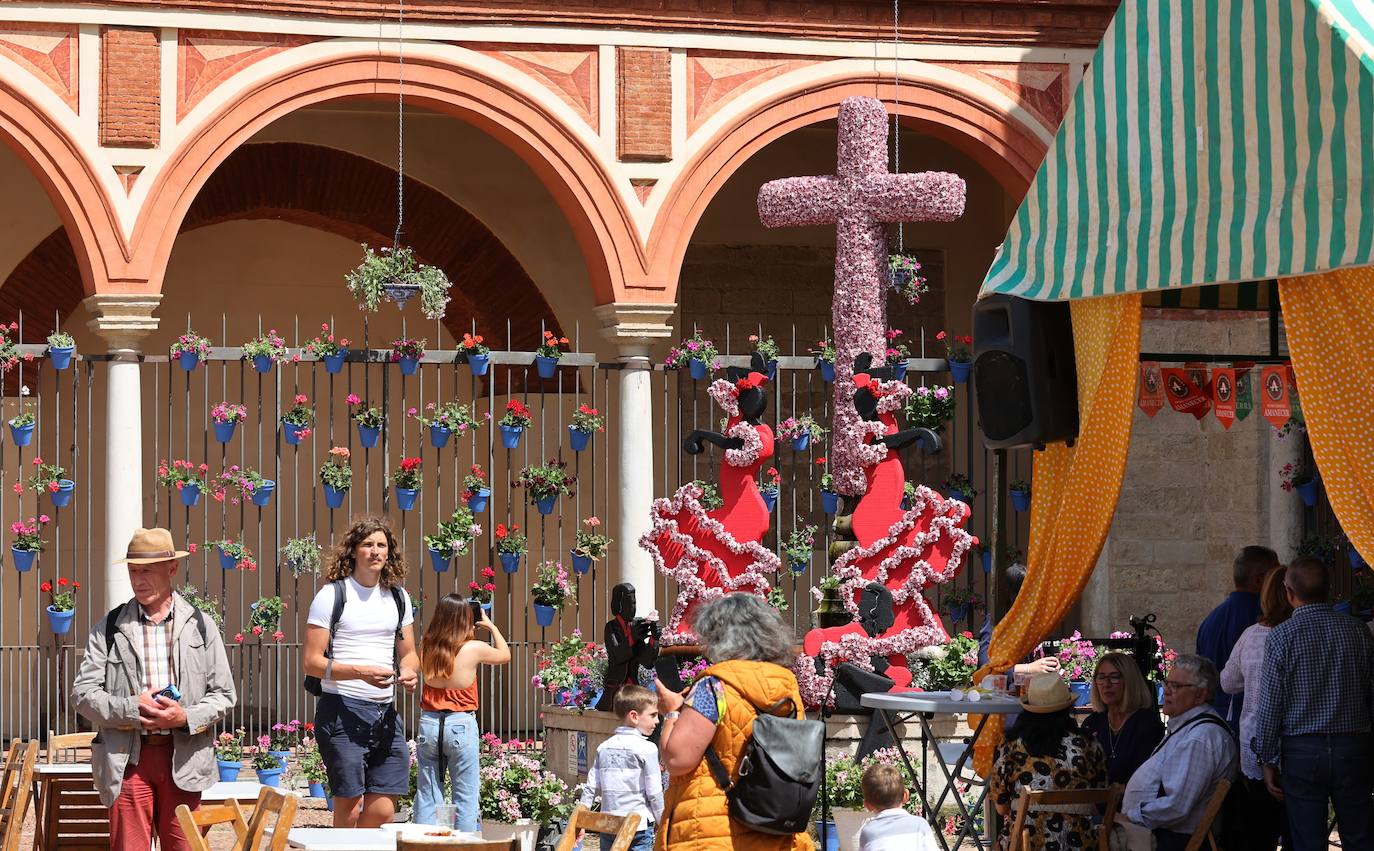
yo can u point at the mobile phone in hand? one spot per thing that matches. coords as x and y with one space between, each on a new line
476 607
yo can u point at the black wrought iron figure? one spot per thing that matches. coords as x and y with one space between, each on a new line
631 643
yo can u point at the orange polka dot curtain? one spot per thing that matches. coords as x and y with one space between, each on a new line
1328 318
1075 488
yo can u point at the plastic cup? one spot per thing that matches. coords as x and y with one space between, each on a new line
446 815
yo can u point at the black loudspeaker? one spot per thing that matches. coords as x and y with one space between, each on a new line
1024 372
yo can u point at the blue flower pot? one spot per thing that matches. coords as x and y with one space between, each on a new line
62 497
899 370
510 562
1342 608
545 504
696 368
270 776
798 566
547 367
334 364
478 502
405 498
478 364
581 563
227 561
987 561
23 559
771 370
190 494
770 499
1082 693
958 613
224 432
1357 561
906 503
1307 490
1020 500
439 435
262 363
333 497
262 497
830 501
828 835
188 360
827 370
543 615
960 370
228 771
801 441
329 803
368 436
510 436
967 500
408 365
316 789
1159 694
282 756
22 434
61 356
439 560
577 439
60 622
292 432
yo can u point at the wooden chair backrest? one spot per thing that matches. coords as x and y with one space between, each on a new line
425 843
195 823
67 742
73 815
623 828
270 802
1030 801
18 781
13 762
1209 815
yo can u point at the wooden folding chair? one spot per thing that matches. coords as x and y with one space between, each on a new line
270 802
1058 801
425 843
196 823
623 828
67 744
1203 833
16 783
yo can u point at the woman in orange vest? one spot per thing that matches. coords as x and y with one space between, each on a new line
751 651
447 741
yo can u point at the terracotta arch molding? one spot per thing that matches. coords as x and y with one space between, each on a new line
996 141
578 183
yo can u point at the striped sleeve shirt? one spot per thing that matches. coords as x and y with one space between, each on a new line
625 775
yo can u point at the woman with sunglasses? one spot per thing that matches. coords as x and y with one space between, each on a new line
1124 720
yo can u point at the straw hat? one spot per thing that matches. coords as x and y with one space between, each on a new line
149 546
1046 693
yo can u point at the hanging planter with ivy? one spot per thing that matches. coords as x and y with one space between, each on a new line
395 275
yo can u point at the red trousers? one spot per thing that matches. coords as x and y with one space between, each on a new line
147 803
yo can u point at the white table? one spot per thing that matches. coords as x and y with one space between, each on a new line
243 790
360 838
899 707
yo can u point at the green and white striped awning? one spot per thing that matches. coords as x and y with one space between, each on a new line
1211 141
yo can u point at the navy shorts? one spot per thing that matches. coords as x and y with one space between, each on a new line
363 745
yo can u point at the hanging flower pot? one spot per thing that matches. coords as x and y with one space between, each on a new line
262 363
987 561
292 432
578 439
510 562
409 365
801 442
696 368
477 503
543 615
1021 500
510 436
23 559
224 432
368 435
547 367
827 370
798 566
962 497
478 364
1307 490
960 370
830 501
61 356
770 499
545 504
62 497
1357 561
60 622
227 560
405 498
581 563
190 494
262 494
334 364
899 370
957 613
188 360
439 435
771 368
270 776
439 560
1082 693
333 497
22 434
228 771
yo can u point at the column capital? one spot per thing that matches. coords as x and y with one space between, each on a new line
635 327
123 320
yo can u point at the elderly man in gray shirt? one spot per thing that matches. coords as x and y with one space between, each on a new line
1166 796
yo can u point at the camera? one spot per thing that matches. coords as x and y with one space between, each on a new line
171 692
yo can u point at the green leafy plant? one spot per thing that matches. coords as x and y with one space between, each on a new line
552 585
777 598
229 746
509 539
263 759
61 594
300 413
1020 486
310 762
799 544
549 346
588 542
956 346
237 550
270 345
545 480
191 343
409 475
1325 548
61 340
950 665
228 412
203 602
48 477
588 419
326 342
475 480
963 595
516 415
794 427
515 785
707 494
904 275
453 416
336 472
765 346
960 486
301 556
388 267
772 481
266 617
483 591
472 344
930 407
455 534
825 351
844 778
695 347
180 473
363 414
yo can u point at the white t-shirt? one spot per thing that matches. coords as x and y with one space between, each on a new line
366 634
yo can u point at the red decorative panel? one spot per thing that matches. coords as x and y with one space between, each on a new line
570 72
46 50
205 58
714 79
1040 87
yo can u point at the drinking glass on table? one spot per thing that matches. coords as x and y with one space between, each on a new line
446 816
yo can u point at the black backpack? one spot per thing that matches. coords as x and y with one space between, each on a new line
779 774
313 684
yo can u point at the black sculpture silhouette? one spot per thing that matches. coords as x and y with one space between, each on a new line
631 643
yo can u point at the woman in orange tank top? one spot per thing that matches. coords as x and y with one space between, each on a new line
447 741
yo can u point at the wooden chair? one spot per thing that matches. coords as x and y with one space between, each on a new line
67 744
623 828
270 802
425 843
1203 834
15 787
73 817
196 823
1089 799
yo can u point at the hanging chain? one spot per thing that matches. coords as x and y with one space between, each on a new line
400 122
897 105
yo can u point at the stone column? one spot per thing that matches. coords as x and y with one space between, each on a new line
122 321
634 329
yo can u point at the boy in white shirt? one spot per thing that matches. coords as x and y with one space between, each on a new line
625 772
892 828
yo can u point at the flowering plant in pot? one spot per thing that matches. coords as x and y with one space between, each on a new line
571 671
202 601
337 476
949 665
301 556
296 422
394 273
474 352
22 424
407 352
897 353
328 347
1296 476
908 495
801 431
407 479
1077 661
958 355
226 416
958 486
265 619
844 796
547 353
830 499
697 353
61 603
26 541
186 477
229 754
707 494
768 348
585 420
825 352
368 419
515 787
9 346
444 419
546 482
52 480
798 546
452 538
770 487
476 489
513 423
61 346
238 482
930 407
962 601
284 737
265 350
483 591
510 545
267 764
190 350
311 765
551 589
1020 495
904 276
589 545
233 555
830 610
1324 548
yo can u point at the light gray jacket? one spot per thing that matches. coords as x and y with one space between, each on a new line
111 678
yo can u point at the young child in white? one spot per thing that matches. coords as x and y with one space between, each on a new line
891 828
625 773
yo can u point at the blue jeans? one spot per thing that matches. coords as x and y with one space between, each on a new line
643 841
1316 768
447 742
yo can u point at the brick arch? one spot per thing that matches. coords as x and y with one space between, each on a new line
333 191
1003 145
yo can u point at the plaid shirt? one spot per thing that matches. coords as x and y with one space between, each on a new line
1318 679
158 671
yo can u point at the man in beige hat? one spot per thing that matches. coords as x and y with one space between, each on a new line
154 681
